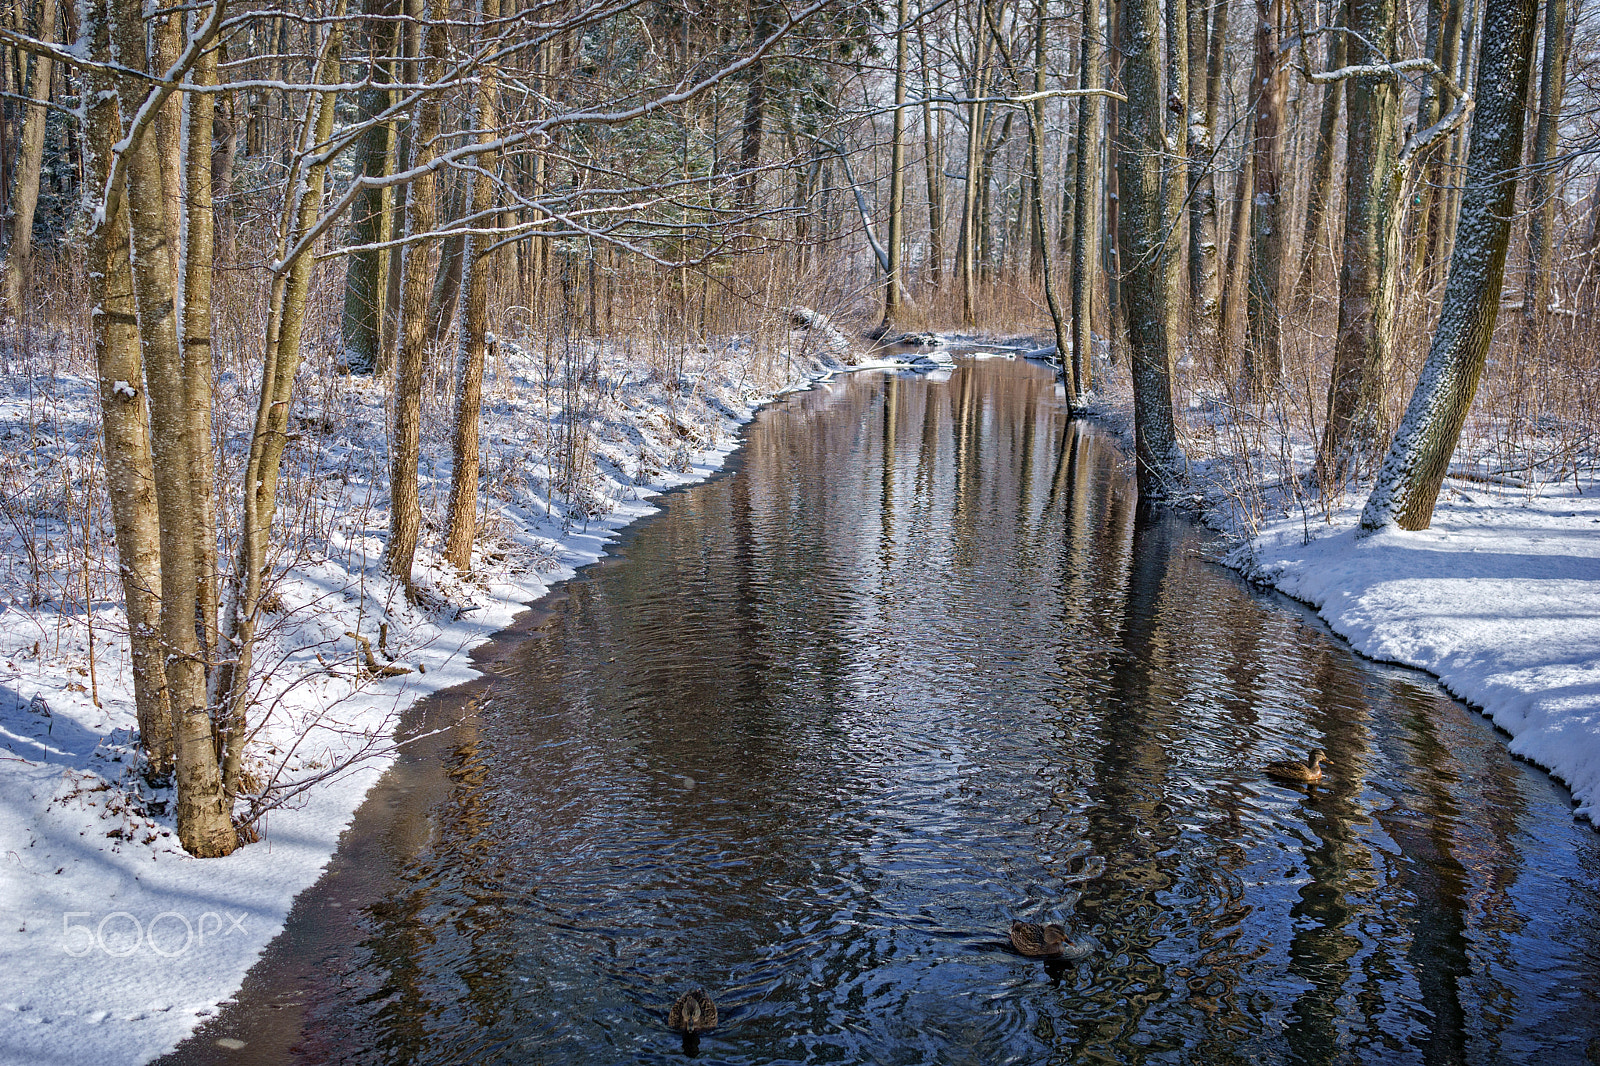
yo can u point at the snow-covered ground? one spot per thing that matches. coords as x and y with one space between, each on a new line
1500 599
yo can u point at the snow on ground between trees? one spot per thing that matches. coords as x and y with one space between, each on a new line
116 943
1499 599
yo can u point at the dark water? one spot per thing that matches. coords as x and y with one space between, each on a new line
915 667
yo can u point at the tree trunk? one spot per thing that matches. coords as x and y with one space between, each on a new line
1263 355
1116 324
1205 87
1543 186
1175 168
462 519
755 109
366 277
1236 253
167 35
1408 484
25 173
933 163
1368 276
204 812
285 324
1086 203
969 209
1058 320
1443 171
447 280
125 420
894 283
1320 189
199 254
1147 285
405 503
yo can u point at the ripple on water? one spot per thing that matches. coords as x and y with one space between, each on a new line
914 668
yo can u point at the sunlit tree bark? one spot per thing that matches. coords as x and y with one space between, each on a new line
405 504
125 421
1319 191
894 284
978 86
204 812
199 251
461 519
1408 483
1205 78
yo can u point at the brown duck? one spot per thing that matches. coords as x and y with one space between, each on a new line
1299 773
693 1013
1037 941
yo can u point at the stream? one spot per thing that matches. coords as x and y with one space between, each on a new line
915 665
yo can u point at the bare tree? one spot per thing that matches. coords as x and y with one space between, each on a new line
1319 190
461 520
894 284
366 276
1368 275
1543 183
1086 199
26 168
405 503
1263 355
1418 459
1148 228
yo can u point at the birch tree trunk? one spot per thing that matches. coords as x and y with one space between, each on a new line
1205 80
1408 483
204 811
1175 168
125 418
463 510
25 172
199 253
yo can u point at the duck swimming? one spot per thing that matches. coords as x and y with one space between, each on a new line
1299 773
694 1012
1037 941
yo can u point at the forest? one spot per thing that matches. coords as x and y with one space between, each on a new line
1333 223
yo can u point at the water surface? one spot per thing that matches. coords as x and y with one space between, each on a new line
915 666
